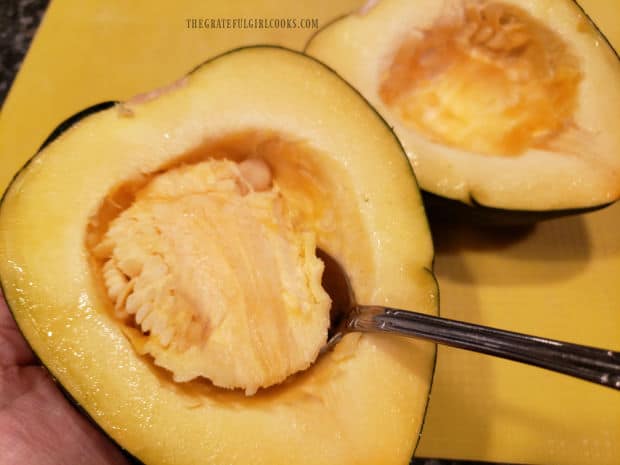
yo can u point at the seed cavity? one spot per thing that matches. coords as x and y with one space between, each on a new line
210 274
487 78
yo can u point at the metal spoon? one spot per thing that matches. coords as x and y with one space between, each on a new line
589 363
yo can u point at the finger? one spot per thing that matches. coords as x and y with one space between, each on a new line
13 348
39 426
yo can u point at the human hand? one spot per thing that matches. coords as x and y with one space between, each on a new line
38 426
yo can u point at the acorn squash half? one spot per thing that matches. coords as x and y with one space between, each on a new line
212 187
507 109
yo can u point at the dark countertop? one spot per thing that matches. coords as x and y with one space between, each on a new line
19 20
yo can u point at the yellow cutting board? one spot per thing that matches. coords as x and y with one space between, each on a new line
559 279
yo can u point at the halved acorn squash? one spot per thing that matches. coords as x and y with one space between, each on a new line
510 106
201 206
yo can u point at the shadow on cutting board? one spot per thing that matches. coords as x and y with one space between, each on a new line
546 252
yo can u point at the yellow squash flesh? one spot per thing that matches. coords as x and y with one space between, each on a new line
337 164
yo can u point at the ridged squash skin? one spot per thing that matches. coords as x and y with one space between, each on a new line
566 158
362 403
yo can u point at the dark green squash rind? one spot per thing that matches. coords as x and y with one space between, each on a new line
61 128
74 119
434 370
440 208
89 111
593 24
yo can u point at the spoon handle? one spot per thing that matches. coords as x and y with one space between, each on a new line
596 365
